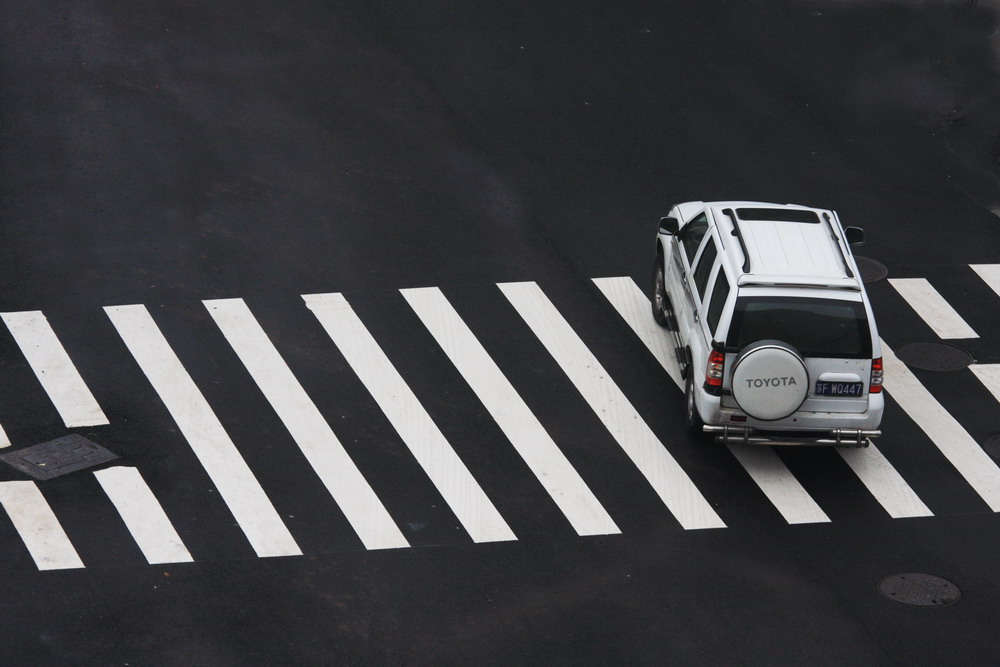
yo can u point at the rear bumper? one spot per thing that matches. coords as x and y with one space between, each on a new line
743 435
715 413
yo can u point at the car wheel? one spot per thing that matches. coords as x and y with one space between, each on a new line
691 416
660 300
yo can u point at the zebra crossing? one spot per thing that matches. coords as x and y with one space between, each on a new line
304 421
525 432
135 500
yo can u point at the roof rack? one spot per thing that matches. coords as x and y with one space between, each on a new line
739 235
836 240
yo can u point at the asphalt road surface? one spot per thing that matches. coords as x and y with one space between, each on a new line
355 293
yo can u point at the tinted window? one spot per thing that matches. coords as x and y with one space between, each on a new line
692 234
704 268
719 295
778 215
815 327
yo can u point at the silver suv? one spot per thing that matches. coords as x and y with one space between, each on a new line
772 327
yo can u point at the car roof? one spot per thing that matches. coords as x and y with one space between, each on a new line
784 244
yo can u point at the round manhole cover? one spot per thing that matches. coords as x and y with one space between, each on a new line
871 270
934 356
919 589
992 446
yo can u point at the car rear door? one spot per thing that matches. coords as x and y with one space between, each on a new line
832 335
698 337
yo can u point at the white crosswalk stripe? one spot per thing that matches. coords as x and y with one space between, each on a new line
766 469
990 273
667 478
211 444
932 308
583 510
143 515
884 482
779 485
628 299
54 369
945 432
303 420
38 526
989 375
446 470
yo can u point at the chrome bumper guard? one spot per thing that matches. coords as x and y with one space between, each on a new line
742 435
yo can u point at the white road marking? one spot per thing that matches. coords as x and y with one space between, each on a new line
779 485
932 308
765 468
4 440
667 478
310 430
446 470
990 273
143 515
208 439
583 510
989 375
54 369
628 299
38 526
884 482
944 430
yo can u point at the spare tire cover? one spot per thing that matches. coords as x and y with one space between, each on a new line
770 380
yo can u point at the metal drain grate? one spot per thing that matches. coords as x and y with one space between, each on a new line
941 357
870 269
58 457
919 589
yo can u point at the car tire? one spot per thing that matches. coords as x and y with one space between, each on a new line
660 301
691 416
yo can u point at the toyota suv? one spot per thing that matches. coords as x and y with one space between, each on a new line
772 327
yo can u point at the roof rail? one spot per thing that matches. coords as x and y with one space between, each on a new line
836 240
848 284
739 235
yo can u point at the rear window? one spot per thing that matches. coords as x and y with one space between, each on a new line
815 327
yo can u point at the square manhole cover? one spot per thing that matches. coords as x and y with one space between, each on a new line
58 457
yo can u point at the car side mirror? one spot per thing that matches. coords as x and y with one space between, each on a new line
669 225
855 236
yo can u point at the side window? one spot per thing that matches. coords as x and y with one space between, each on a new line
719 295
704 268
692 234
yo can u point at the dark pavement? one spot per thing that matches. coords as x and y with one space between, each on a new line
168 153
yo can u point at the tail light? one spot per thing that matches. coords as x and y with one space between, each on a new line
875 385
714 370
